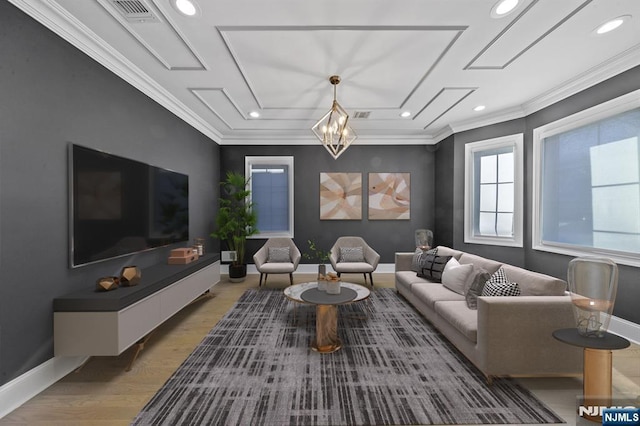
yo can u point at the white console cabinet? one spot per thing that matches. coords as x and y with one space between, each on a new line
99 333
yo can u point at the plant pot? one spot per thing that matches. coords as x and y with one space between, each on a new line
237 273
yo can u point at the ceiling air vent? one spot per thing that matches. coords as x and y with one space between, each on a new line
134 10
361 114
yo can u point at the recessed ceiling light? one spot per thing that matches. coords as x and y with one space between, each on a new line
612 24
186 7
503 8
254 114
479 108
405 114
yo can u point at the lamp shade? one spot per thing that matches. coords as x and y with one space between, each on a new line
424 239
593 283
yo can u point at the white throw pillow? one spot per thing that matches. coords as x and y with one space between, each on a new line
456 278
452 263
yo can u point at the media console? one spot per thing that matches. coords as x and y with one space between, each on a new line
90 323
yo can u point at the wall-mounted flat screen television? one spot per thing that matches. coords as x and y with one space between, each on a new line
120 206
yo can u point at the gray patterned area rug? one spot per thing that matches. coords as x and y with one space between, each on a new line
255 367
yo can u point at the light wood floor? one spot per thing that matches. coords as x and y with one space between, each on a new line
103 393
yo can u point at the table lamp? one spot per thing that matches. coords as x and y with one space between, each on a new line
593 283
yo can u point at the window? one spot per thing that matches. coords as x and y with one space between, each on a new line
587 182
493 191
271 183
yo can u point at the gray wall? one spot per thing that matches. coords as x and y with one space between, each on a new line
444 191
626 306
53 94
385 236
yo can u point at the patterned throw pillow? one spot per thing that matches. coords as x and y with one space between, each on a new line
351 254
498 277
501 289
432 267
417 255
475 289
278 255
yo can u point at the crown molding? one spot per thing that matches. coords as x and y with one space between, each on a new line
58 20
266 138
618 64
489 119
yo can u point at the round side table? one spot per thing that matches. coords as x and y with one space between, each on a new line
596 373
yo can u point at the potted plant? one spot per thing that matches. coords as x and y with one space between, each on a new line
318 254
236 220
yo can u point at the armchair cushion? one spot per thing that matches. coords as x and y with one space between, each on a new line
279 255
351 254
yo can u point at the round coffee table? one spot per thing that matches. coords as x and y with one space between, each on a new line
326 340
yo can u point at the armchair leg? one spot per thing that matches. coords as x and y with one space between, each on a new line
371 278
365 277
291 278
260 282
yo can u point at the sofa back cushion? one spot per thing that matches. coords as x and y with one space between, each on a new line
491 266
535 284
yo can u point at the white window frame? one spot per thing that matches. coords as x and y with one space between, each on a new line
273 160
583 118
470 149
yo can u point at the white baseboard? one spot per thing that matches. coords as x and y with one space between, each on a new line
627 329
309 268
23 388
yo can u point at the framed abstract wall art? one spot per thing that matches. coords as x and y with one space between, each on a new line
340 196
389 196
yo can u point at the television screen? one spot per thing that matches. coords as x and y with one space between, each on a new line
121 206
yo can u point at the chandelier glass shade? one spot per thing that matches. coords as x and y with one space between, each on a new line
333 128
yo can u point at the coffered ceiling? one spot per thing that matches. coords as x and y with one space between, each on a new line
437 59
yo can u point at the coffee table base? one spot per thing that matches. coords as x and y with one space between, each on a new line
327 340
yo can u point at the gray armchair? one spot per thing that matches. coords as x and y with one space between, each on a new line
273 258
353 255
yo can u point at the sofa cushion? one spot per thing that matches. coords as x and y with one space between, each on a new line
456 277
457 314
430 293
432 267
501 289
480 277
489 265
446 251
498 277
417 258
409 277
535 284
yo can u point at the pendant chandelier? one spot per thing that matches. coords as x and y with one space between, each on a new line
333 129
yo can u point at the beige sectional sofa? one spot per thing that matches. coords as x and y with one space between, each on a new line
506 335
